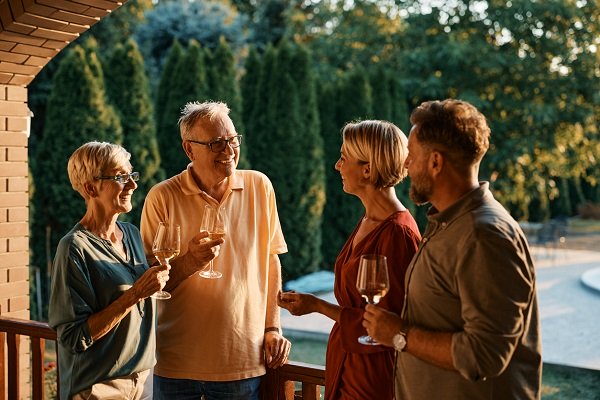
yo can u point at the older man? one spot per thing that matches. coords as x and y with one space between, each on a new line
215 336
469 327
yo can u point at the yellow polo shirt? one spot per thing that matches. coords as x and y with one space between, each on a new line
213 329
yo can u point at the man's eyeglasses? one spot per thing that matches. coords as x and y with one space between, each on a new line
218 145
122 178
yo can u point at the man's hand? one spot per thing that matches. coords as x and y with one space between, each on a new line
381 325
277 349
203 250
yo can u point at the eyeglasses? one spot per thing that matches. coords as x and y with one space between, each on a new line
122 178
218 145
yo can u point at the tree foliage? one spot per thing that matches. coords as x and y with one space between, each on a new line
77 113
188 83
203 21
349 100
129 93
223 86
524 64
285 121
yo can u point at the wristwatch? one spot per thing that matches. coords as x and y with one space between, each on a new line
399 341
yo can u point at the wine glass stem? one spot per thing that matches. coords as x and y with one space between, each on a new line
210 266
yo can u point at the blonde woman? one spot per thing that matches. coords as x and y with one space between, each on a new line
370 165
99 302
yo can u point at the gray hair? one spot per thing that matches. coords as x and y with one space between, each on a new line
91 160
195 111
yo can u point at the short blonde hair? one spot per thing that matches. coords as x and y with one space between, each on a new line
93 159
195 111
381 144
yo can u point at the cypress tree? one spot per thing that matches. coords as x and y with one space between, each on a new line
291 128
307 216
164 122
400 113
249 85
342 211
129 92
259 125
188 83
330 131
76 113
382 100
223 86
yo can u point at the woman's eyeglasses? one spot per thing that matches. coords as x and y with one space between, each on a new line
122 178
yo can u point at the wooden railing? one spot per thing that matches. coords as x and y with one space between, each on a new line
278 384
11 330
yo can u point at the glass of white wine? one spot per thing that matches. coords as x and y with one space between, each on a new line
372 283
213 221
166 246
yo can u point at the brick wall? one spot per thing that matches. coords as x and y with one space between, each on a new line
14 214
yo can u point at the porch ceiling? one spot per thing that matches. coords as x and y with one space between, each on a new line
34 31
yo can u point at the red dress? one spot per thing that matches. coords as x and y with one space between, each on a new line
353 370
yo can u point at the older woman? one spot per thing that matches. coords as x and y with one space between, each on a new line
371 164
100 284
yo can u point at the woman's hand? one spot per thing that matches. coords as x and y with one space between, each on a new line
297 303
153 280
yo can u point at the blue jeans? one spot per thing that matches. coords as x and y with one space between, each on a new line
187 389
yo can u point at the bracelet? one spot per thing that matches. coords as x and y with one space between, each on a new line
272 329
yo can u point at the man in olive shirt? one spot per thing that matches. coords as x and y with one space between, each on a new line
469 327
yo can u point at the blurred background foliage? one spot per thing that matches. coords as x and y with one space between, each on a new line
294 71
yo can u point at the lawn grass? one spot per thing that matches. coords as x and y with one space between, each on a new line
559 382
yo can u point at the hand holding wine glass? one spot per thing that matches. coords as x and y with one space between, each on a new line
372 283
166 245
213 221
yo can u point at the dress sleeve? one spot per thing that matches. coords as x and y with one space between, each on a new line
496 285
72 299
399 244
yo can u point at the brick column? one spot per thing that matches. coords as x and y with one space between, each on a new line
14 214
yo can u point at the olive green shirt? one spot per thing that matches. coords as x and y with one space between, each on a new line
473 275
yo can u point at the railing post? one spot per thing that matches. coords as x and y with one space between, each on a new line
275 387
12 341
37 367
2 367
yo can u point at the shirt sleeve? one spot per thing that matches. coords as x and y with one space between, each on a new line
277 242
496 285
399 244
72 298
152 213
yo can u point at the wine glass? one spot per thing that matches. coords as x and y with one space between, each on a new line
166 246
372 283
213 221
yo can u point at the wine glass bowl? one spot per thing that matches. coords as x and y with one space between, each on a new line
372 282
166 246
213 221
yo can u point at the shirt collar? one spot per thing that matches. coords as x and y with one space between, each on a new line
189 186
465 204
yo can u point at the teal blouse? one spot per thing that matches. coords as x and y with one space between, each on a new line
88 274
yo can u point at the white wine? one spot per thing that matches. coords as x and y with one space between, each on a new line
164 255
373 295
216 235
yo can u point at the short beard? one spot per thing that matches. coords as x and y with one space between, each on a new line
421 190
